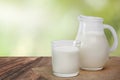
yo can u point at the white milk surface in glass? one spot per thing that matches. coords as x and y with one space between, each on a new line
94 50
65 59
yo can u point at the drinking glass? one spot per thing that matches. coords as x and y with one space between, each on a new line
65 58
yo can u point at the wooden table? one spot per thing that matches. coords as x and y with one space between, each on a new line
39 68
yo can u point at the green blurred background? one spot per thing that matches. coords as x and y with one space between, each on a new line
27 27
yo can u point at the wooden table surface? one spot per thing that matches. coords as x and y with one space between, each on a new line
39 68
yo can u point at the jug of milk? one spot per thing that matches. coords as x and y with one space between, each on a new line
94 49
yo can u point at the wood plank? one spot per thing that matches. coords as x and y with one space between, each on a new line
29 75
14 68
34 68
6 60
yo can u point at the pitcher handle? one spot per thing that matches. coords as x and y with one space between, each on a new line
115 43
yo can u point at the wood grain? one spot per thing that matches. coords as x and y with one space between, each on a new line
39 68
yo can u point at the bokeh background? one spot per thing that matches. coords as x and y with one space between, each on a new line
27 27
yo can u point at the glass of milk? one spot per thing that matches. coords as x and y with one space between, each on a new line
65 58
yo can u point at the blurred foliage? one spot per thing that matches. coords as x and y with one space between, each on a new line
28 26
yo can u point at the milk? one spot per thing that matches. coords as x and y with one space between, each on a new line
65 60
93 51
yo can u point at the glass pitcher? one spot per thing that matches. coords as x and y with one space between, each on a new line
94 47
